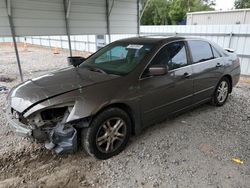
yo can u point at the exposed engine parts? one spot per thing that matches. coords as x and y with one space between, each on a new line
48 117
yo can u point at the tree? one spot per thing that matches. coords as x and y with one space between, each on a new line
178 10
156 13
238 4
167 12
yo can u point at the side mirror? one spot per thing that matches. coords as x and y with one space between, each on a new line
158 70
75 60
229 50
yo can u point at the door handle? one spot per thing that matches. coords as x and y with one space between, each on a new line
186 75
218 65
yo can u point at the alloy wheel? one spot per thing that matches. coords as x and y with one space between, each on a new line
222 91
111 135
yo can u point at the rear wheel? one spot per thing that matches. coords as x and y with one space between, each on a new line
221 92
108 134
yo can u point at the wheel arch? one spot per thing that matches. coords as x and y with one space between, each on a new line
229 77
123 106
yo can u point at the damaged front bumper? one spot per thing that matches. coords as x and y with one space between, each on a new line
18 127
62 138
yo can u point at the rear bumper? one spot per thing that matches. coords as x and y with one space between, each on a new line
19 128
236 75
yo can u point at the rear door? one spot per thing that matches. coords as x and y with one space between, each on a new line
162 95
207 68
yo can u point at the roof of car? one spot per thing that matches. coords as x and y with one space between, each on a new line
154 39
150 39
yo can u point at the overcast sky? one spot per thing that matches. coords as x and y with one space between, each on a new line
224 4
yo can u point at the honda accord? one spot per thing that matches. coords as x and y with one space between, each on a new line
99 102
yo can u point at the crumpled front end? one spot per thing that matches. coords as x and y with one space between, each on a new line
48 126
20 128
50 110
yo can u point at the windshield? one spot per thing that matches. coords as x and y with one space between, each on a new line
117 58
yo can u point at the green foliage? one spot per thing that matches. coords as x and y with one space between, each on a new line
156 13
167 12
238 4
178 10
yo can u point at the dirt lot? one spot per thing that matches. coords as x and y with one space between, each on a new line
194 149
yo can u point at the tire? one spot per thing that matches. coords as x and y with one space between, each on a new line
222 89
105 131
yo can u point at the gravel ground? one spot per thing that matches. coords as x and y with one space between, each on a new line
194 149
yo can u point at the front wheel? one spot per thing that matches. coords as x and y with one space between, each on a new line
221 92
108 134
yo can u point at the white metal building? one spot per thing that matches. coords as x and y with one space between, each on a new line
239 16
67 17
47 17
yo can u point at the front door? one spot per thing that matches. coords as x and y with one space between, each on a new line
163 95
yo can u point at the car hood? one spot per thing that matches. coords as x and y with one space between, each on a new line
53 84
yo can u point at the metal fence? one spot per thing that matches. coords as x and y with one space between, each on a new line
236 37
89 43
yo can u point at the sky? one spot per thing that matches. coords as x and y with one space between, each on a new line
224 4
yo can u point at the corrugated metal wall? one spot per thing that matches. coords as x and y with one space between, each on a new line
87 17
46 17
4 23
123 18
78 42
240 16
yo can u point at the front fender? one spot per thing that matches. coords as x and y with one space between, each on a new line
82 109
89 101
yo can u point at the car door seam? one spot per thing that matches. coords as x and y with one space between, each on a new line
164 105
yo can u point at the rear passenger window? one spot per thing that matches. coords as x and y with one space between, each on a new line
173 55
201 51
216 53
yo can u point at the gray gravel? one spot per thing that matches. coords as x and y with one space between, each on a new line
194 149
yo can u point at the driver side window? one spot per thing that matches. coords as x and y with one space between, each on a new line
172 55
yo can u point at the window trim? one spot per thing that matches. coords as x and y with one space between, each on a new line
190 62
214 49
186 52
191 56
163 46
